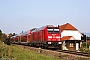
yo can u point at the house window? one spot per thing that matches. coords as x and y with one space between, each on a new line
71 44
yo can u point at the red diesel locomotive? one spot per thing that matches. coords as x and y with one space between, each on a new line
46 36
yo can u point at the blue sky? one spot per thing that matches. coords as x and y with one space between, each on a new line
22 15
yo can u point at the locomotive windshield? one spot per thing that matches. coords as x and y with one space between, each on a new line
53 30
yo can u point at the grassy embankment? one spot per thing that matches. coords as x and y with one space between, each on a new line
20 54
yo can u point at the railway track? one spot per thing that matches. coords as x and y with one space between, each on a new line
75 53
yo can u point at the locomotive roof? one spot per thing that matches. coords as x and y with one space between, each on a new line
38 29
41 28
25 33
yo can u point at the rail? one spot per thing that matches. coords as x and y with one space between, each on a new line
75 52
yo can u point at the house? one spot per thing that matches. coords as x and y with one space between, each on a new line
70 36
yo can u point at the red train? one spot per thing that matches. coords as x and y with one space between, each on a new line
46 36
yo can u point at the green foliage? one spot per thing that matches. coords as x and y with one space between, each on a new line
21 54
2 36
18 53
84 45
85 48
13 34
4 51
0 33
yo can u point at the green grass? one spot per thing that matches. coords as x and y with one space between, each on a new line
21 54
18 53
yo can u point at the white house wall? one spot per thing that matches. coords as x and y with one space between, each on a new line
75 34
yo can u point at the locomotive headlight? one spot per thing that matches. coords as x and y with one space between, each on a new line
57 36
49 42
59 42
49 36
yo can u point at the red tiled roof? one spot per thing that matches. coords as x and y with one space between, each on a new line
67 26
67 37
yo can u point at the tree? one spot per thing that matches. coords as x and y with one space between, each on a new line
0 33
3 37
83 38
10 35
13 34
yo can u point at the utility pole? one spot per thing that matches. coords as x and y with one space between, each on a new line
86 41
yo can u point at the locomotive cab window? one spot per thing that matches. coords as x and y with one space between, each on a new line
56 30
53 30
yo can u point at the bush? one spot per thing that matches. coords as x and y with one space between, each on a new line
84 48
84 45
